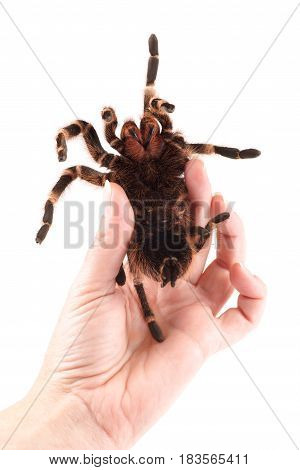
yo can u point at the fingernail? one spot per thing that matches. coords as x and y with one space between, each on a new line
107 191
220 195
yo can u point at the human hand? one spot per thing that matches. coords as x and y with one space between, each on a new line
103 371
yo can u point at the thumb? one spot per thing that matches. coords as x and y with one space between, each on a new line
105 257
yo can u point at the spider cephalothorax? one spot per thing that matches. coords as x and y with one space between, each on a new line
144 142
149 166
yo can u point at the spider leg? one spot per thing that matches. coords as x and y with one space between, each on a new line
160 109
199 235
90 136
151 71
228 152
164 120
152 104
161 106
121 276
69 175
110 119
150 98
170 271
148 314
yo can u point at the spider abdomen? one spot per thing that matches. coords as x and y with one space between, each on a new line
160 234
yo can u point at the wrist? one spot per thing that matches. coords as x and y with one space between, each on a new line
51 420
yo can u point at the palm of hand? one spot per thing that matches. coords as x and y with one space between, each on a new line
119 371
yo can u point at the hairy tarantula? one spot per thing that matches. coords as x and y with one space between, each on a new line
149 166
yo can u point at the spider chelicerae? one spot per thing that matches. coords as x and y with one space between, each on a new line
149 164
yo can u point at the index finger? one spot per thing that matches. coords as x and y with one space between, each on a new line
230 235
215 281
199 190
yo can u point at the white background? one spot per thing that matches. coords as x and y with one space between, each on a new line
96 52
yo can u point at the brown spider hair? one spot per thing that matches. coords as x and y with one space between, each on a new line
149 165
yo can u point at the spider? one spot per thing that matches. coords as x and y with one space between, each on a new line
149 164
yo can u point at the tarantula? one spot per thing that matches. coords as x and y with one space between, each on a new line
149 166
